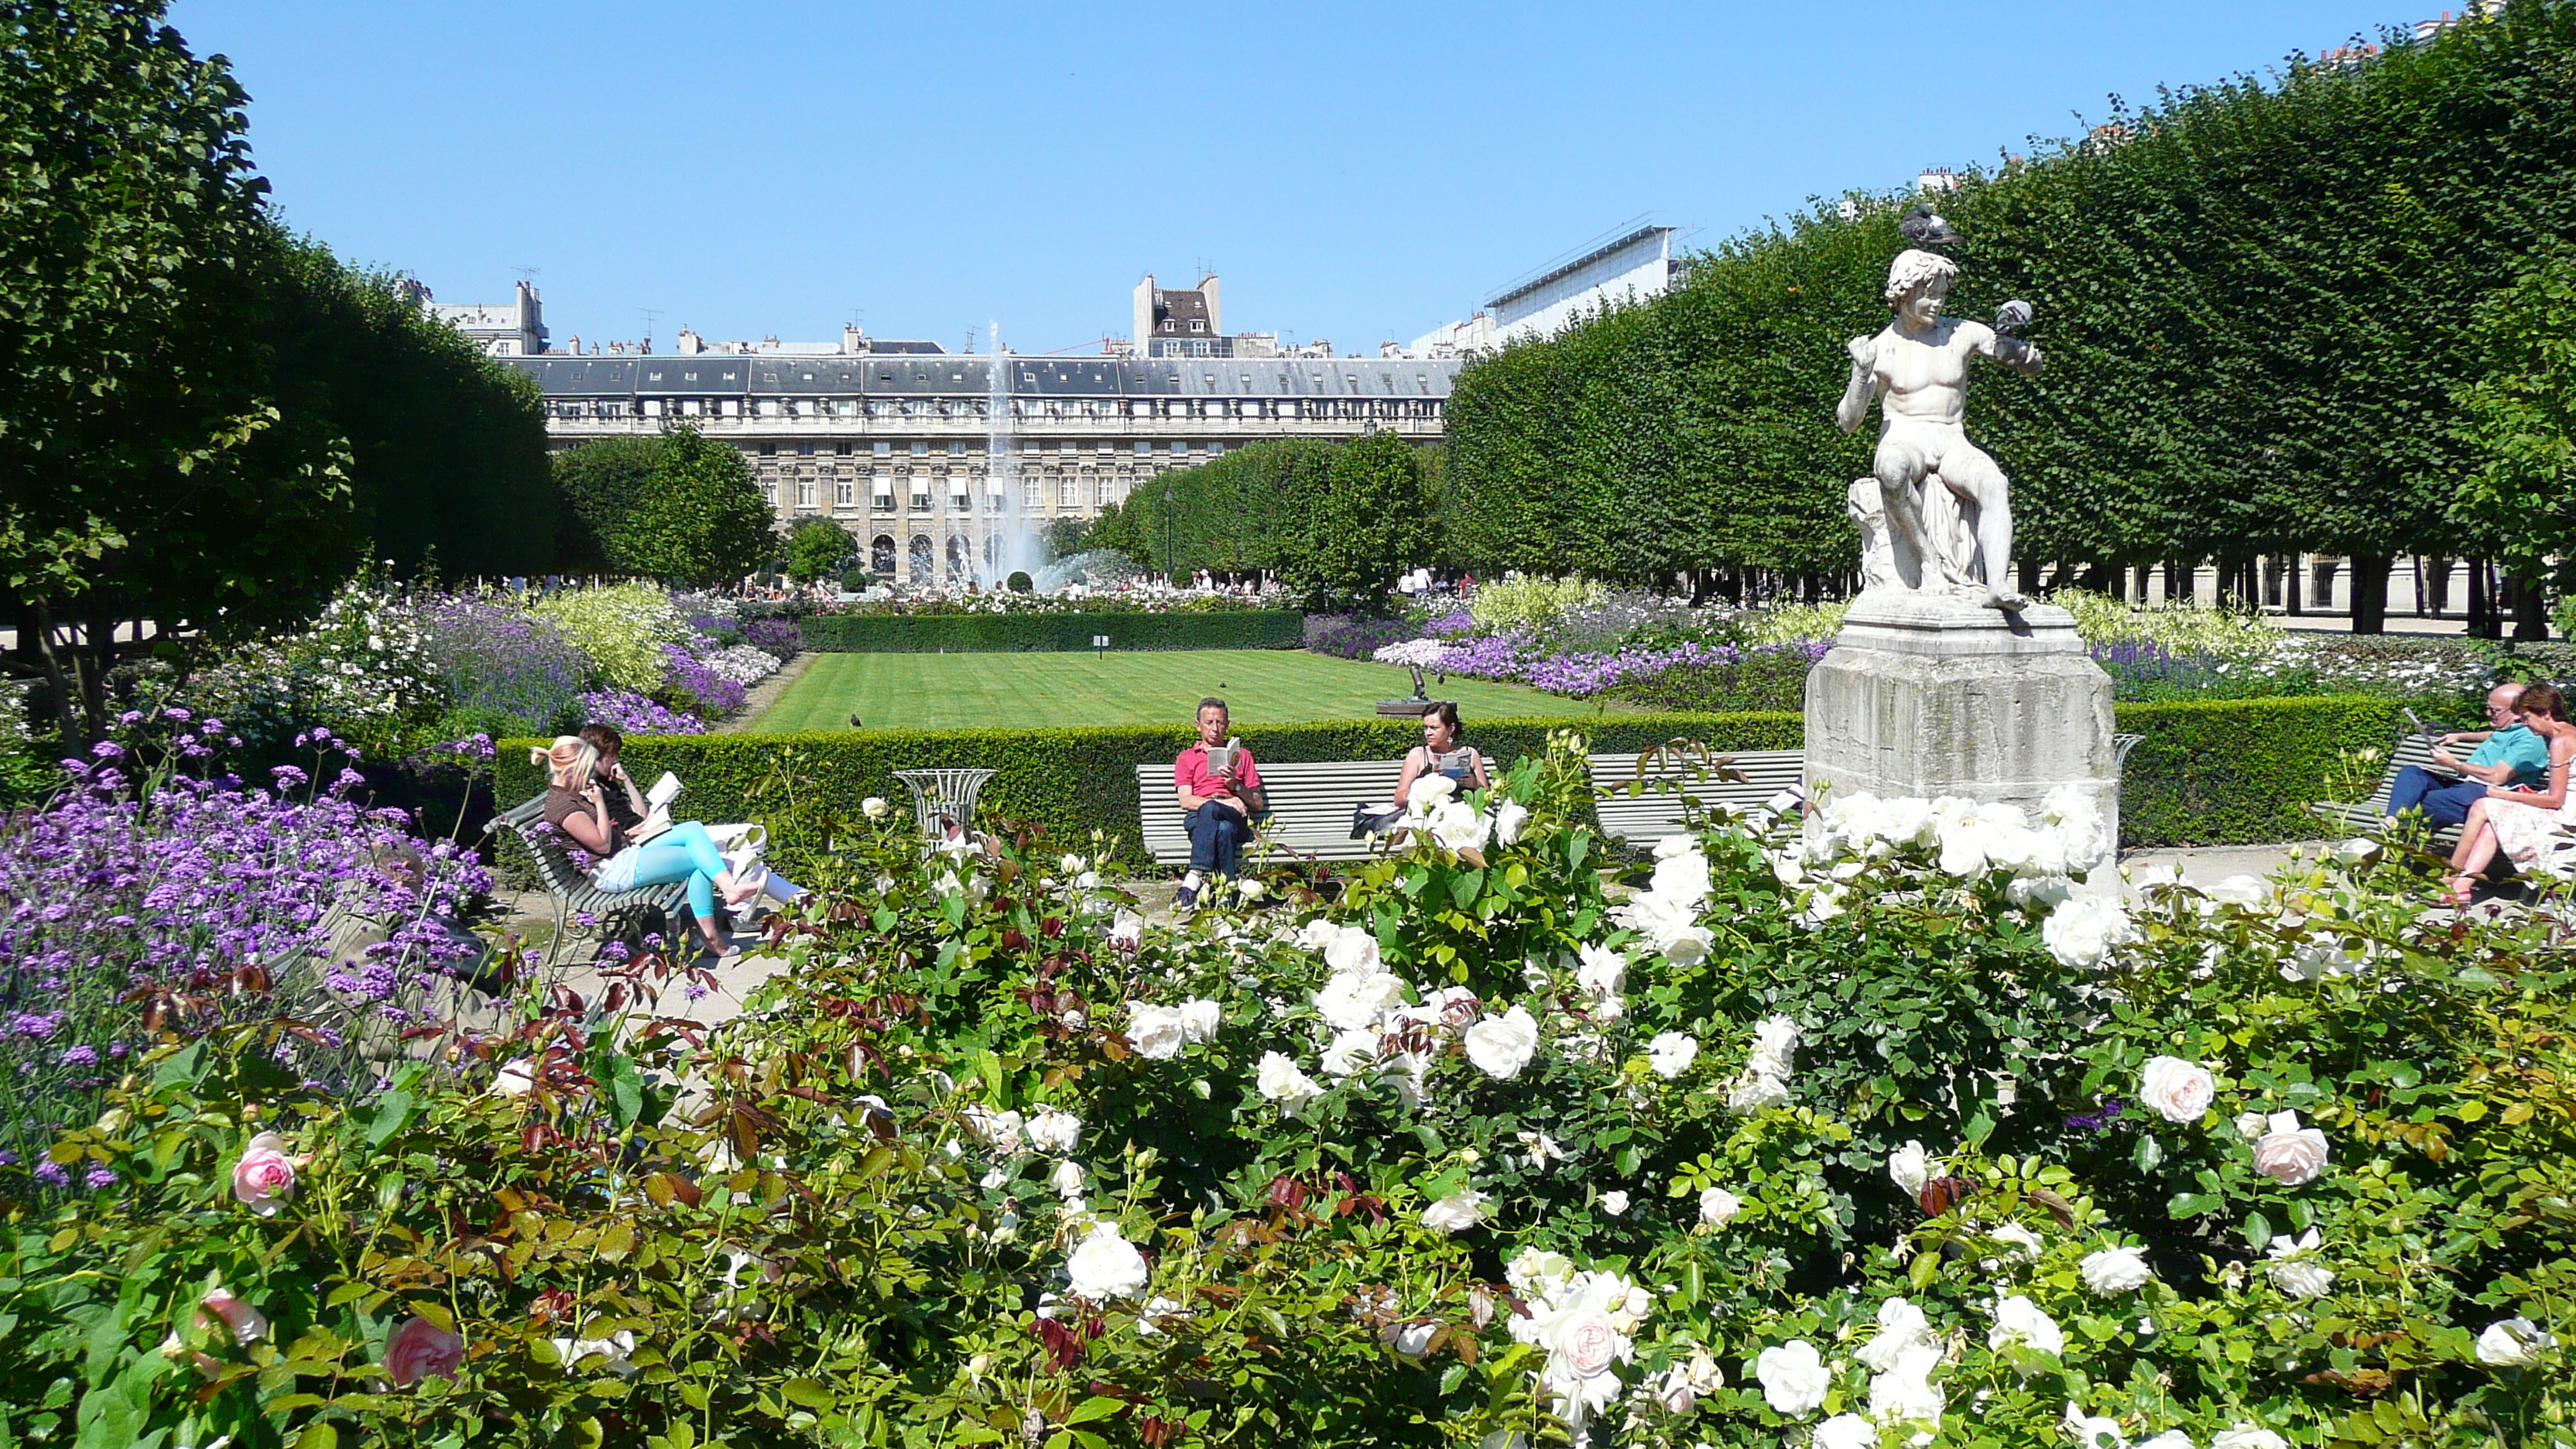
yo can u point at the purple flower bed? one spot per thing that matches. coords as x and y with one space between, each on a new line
713 693
206 903
1450 625
494 658
778 638
636 714
1344 636
1720 677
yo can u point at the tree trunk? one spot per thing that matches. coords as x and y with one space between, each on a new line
2530 608
2481 605
2370 592
2177 582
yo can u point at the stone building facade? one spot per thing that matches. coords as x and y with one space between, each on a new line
901 447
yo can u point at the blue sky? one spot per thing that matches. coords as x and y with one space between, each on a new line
1353 172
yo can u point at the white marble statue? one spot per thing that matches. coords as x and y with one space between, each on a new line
1918 366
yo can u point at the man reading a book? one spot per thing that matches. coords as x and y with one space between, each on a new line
1211 779
2509 754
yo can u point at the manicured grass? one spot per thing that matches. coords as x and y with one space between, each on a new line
972 691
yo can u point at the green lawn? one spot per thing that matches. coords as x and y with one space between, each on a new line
1265 686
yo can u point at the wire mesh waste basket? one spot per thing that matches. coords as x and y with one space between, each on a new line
943 801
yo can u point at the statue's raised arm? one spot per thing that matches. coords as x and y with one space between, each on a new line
1864 383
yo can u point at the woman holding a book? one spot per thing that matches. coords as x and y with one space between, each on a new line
1443 752
2535 828
577 805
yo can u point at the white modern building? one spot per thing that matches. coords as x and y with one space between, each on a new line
1629 266
516 328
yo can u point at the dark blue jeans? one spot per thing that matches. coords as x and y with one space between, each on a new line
1217 833
2443 802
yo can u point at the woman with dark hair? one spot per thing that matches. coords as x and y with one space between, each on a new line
1443 754
2536 829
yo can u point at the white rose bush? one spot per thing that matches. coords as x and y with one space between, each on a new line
1502 1138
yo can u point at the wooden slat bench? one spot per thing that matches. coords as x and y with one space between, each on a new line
1644 818
1310 808
2371 815
614 911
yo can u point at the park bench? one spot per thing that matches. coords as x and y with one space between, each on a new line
1648 816
2370 816
1310 808
615 912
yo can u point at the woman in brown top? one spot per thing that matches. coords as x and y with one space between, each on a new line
578 807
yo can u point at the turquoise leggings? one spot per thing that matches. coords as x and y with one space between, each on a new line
683 852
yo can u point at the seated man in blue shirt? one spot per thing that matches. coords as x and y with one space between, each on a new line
2509 754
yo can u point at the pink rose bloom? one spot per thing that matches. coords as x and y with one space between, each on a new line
1588 1344
2290 1154
248 1324
265 1176
419 1350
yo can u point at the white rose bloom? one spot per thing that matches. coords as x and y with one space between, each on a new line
1054 1131
2023 1242
1539 1149
1689 946
1156 1032
2018 1320
1538 1273
1775 1046
874 807
1106 1266
1904 1392
1718 1207
1351 999
1909 1169
1755 1092
1428 791
1070 865
1681 877
1251 890
1600 970
1067 1179
1126 931
2355 851
1671 1053
1200 1019
2252 1125
2082 930
1847 1431
1352 950
997 1129
1350 1051
1794 1378
1279 1080
2244 891
2514 1343
1157 1308
1509 817
1502 1045
1615 1203
2116 1270
2289 1154
1901 1326
2178 1090
2093 1431
2293 1272
1316 934
2248 1436
517 1078
1585 1326
1455 1213
2169 1439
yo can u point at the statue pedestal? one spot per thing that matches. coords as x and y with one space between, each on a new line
1930 694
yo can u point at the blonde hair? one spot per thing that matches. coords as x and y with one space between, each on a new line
1913 267
568 762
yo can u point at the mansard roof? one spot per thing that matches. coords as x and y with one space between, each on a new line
718 374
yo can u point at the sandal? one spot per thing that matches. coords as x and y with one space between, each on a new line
2459 890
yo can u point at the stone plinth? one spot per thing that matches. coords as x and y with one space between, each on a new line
1928 694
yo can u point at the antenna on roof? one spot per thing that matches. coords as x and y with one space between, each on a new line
526 274
651 315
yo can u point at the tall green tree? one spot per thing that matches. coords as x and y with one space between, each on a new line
595 484
1369 523
145 463
2519 419
818 548
700 520
447 445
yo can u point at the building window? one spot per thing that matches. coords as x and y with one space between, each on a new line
804 492
1068 494
1198 324
1033 494
844 492
769 491
1180 450
885 450
921 495
921 450
841 450
881 556
1143 447
804 450
769 450
956 449
883 495
1216 450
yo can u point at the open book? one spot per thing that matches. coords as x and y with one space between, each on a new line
658 818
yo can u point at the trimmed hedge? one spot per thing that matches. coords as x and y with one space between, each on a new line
2208 773
1051 633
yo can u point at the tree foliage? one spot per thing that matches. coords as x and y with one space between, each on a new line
2253 297
143 452
1338 519
595 483
818 548
2520 421
700 519
1371 522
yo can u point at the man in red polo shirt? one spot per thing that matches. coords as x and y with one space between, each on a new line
1210 809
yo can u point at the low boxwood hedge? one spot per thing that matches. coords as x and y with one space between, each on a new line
1014 633
2208 773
